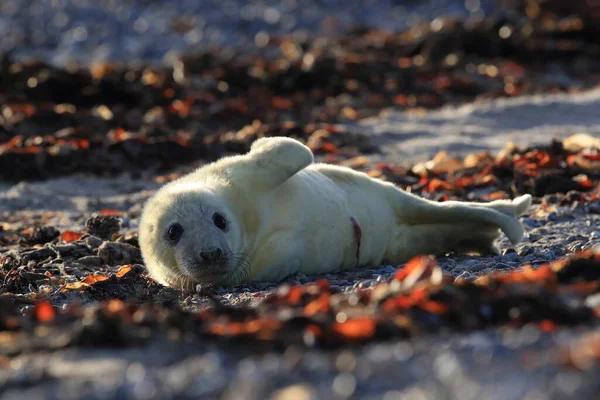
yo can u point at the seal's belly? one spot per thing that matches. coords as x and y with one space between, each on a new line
337 224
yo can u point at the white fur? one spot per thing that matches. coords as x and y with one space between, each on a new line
290 215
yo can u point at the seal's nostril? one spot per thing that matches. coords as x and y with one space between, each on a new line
212 255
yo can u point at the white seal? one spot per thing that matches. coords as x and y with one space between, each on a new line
272 212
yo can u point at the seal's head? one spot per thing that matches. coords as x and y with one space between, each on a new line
198 228
189 235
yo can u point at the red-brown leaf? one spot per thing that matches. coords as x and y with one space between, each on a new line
44 311
355 329
124 270
91 279
70 236
108 211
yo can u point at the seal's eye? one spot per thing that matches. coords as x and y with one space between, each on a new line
174 232
219 221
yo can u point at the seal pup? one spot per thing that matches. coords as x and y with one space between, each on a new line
273 212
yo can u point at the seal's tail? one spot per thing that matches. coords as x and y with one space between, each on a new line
461 226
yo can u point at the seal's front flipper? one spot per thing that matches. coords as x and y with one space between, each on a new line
272 161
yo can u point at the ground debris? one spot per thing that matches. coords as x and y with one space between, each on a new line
418 300
106 119
103 226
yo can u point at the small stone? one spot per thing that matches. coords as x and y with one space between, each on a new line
575 247
593 301
389 269
571 238
594 208
548 255
524 251
534 238
553 216
465 275
595 234
40 235
103 226
90 261
93 241
113 253
531 222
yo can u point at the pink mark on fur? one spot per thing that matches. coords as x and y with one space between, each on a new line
357 236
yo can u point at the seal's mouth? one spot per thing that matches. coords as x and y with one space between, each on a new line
229 270
199 272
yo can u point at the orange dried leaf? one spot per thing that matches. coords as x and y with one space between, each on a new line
313 330
12 143
419 265
404 301
123 270
82 143
437 184
120 134
75 286
282 103
70 236
294 295
322 284
91 279
44 311
27 109
497 195
115 305
547 325
27 150
355 329
108 211
512 68
244 328
434 307
401 100
320 305
330 148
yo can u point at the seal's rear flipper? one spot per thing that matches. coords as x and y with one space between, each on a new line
475 224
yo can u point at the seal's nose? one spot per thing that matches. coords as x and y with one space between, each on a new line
212 255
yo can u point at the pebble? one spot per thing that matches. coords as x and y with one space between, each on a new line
510 256
595 234
553 216
558 250
524 251
548 255
531 222
93 241
574 247
593 301
335 288
363 284
534 238
465 275
140 29
573 238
